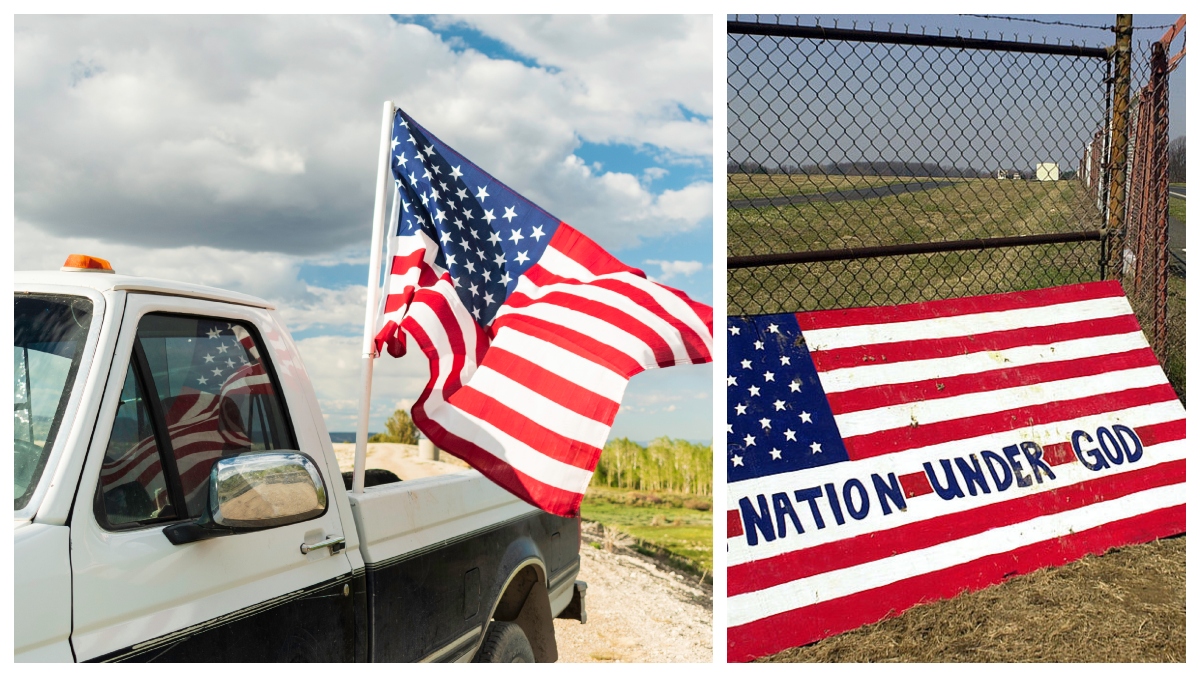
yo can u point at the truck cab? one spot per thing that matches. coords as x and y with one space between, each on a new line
177 497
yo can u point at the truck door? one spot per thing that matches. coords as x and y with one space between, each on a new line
193 382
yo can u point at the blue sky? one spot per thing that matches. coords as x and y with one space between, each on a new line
211 150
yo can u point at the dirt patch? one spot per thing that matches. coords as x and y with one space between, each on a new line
638 611
402 459
1126 606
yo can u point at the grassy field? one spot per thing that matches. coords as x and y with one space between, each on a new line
1177 208
677 527
749 186
968 208
1128 606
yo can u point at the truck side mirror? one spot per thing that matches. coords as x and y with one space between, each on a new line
255 491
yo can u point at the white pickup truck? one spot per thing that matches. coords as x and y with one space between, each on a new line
177 498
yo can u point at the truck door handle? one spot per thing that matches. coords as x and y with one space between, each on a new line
335 544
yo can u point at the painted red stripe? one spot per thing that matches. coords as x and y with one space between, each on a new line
733 524
765 573
928 349
402 264
1158 433
925 390
514 423
812 623
568 339
554 387
445 317
912 437
663 355
692 343
1037 298
915 484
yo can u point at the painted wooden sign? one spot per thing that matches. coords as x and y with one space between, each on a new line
880 458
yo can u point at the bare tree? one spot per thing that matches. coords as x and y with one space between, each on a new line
1176 156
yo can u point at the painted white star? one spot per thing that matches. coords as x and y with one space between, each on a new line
816 447
749 440
765 423
753 391
773 328
510 213
745 364
729 428
785 360
482 194
516 236
537 233
740 408
735 330
522 257
794 386
730 380
208 358
758 345
770 376
805 417
776 454
779 405
737 460
790 435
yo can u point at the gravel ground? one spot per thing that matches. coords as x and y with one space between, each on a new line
638 612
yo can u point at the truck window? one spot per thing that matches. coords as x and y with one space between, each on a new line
133 484
210 387
49 332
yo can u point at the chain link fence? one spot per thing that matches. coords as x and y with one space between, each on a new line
872 168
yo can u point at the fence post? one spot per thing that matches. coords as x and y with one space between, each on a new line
1118 148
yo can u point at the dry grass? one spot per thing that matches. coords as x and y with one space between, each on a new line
749 186
1126 606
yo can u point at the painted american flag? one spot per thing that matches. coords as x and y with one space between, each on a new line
880 458
532 331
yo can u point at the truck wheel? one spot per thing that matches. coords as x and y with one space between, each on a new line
505 643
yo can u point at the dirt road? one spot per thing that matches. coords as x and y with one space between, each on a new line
637 611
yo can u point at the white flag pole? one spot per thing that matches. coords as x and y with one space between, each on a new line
368 350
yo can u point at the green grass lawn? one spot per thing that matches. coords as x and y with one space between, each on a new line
1177 208
749 186
678 524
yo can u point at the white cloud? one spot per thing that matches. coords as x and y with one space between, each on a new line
258 133
671 269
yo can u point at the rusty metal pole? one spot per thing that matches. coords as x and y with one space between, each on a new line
1118 148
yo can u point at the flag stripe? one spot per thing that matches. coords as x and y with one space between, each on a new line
890 441
808 624
799 564
573 341
974 404
902 357
962 325
535 406
928 310
583 322
939 387
576 398
946 554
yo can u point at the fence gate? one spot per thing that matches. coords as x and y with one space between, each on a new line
871 167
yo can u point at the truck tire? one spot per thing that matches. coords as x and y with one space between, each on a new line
505 643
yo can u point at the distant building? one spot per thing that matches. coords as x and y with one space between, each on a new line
1008 174
1047 171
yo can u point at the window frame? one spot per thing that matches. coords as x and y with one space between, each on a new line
143 375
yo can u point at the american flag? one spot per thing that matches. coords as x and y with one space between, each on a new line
880 458
205 420
532 331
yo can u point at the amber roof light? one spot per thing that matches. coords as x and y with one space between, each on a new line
77 263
